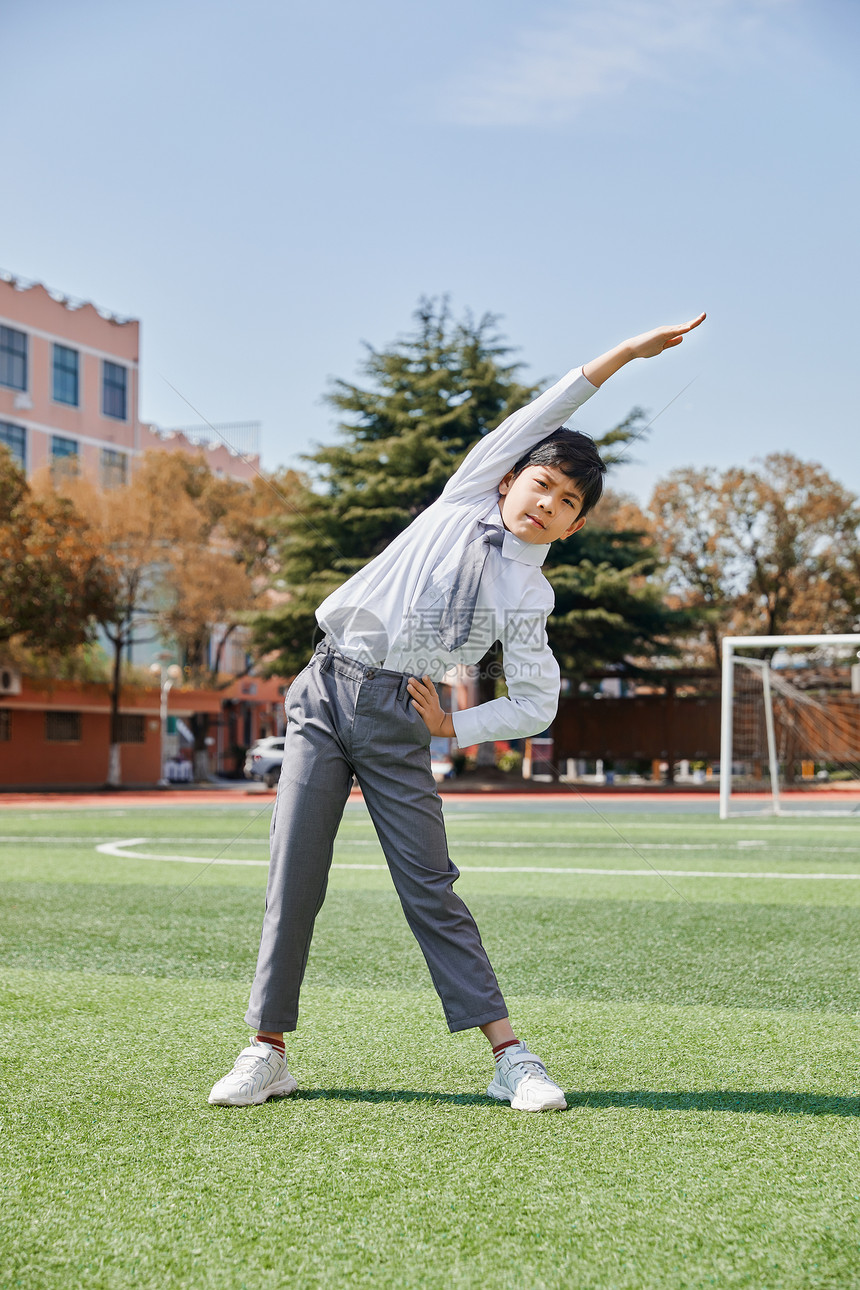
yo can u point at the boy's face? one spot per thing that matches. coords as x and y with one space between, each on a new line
541 505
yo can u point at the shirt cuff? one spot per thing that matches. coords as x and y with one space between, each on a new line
503 719
467 727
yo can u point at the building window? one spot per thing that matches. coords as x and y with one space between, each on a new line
114 381
15 439
13 358
63 727
66 375
130 728
64 456
114 468
5 725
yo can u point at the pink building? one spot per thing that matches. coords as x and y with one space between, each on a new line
69 389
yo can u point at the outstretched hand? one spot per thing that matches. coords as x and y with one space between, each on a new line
651 343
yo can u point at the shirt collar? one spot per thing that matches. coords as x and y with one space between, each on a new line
514 548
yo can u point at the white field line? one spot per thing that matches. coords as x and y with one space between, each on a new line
120 849
584 844
634 819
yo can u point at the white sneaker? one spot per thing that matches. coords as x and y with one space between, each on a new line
521 1079
260 1073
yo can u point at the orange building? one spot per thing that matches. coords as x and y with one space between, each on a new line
69 392
57 734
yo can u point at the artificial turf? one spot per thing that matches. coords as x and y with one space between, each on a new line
704 1028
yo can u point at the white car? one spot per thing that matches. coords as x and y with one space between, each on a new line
440 758
263 760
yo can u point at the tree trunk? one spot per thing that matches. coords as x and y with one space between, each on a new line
114 774
199 723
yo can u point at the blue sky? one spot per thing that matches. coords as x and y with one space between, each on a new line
266 185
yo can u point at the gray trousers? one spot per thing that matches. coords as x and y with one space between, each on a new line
343 719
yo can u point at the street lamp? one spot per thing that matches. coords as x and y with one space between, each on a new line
166 675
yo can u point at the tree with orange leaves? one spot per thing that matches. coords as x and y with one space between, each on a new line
187 555
52 581
772 550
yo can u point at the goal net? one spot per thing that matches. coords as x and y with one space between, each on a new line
790 742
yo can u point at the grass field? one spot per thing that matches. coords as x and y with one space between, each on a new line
704 1026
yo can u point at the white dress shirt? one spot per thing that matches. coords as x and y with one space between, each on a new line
384 615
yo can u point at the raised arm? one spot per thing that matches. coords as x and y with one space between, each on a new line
494 455
648 345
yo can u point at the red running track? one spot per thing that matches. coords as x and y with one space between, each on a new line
117 800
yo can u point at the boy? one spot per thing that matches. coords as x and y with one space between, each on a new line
464 574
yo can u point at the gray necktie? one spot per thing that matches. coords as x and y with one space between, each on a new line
455 625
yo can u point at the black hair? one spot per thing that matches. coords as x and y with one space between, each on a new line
574 453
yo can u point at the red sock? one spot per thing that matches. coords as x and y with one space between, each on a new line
499 1049
277 1044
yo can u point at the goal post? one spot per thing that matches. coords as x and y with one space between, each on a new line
844 733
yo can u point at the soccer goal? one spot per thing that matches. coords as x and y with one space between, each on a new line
790 733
